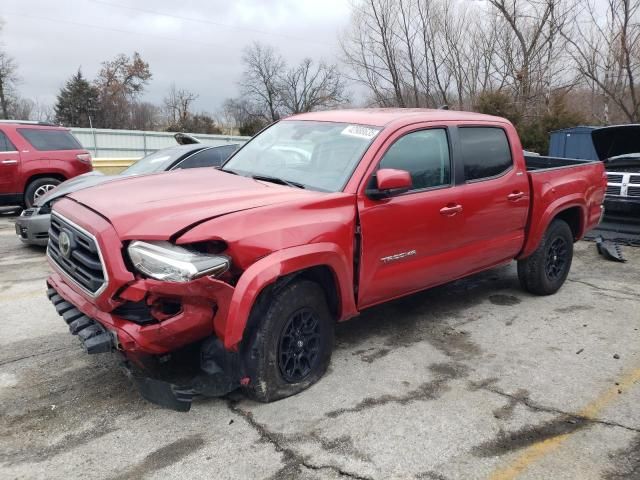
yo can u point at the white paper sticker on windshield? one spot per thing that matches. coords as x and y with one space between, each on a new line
160 159
360 131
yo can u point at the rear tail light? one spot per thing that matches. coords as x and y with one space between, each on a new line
84 158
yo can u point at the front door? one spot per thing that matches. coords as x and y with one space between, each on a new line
410 241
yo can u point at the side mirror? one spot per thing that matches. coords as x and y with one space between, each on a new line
389 182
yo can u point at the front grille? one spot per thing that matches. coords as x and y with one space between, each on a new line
613 189
633 191
634 179
614 178
28 212
78 256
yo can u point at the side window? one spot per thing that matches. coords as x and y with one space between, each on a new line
424 154
485 152
5 143
205 158
45 139
211 157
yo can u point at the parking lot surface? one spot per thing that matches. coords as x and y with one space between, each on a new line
475 379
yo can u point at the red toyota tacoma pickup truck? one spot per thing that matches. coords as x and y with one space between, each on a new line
34 158
316 218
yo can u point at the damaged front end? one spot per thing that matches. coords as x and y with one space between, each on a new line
171 380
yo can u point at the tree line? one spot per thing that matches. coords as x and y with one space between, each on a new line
544 64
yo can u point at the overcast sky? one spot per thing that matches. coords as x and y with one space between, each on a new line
195 43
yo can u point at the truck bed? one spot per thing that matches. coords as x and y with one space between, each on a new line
538 162
561 183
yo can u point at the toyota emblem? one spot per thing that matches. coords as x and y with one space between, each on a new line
65 244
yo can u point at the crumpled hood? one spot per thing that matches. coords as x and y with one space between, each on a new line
156 207
73 185
616 140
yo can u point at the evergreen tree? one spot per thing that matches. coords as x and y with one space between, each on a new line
77 100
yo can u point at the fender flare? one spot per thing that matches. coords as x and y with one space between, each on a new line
41 173
268 269
552 211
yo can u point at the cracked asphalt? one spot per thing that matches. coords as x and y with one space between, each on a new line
475 379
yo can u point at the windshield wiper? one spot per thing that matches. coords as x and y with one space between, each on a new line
281 181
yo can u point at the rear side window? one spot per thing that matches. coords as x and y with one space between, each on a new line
211 157
42 139
485 152
424 154
5 144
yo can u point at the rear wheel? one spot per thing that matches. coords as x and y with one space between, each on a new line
546 269
38 188
291 347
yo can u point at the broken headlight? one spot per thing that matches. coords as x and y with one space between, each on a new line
171 263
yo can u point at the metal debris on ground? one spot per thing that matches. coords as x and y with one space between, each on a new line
609 250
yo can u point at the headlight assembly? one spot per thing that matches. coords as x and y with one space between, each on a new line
171 263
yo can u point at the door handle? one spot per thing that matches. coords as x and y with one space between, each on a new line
515 196
9 162
450 210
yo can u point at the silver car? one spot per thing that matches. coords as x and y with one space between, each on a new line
32 226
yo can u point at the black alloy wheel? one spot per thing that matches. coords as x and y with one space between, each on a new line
290 347
546 269
299 346
556 260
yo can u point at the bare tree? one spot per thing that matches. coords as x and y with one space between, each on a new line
420 52
8 80
310 87
146 116
178 104
532 43
120 82
259 84
42 112
371 47
605 46
240 115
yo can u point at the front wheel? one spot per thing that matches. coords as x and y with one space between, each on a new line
291 347
546 269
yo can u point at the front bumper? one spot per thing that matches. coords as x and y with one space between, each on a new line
218 371
623 205
33 229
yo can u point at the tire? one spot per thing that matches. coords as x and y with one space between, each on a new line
270 359
546 269
38 187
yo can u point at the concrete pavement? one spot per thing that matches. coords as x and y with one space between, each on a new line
476 379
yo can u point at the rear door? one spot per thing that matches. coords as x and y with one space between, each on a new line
496 197
411 241
9 166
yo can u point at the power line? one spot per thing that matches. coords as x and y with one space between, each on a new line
208 22
113 29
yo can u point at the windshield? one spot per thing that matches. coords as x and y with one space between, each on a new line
316 155
155 162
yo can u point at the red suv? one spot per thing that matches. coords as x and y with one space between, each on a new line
34 158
